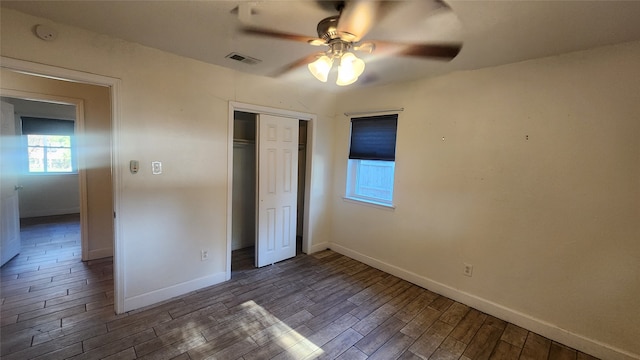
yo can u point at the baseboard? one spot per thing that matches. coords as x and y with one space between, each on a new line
319 247
100 253
48 212
544 328
156 296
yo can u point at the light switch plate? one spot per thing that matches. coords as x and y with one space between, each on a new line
156 167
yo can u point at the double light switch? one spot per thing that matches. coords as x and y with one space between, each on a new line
156 167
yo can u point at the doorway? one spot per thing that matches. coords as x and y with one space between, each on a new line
51 101
81 85
48 183
244 181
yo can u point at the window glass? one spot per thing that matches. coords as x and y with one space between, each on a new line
59 160
36 159
374 180
49 153
58 141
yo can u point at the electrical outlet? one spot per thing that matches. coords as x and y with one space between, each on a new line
204 255
468 270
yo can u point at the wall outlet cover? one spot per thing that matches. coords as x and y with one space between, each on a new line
468 270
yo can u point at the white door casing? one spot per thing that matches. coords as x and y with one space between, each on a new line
9 155
277 188
114 86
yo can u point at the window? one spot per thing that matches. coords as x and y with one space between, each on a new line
49 153
49 145
372 155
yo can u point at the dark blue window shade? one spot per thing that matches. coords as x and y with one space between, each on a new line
43 126
374 138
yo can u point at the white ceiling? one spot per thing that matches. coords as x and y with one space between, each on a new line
492 32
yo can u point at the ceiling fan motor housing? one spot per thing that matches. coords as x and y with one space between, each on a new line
328 30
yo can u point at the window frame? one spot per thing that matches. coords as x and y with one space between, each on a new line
44 148
353 175
33 125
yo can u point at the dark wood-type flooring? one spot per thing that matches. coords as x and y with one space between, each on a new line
322 306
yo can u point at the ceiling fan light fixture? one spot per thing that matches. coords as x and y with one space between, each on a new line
350 69
321 67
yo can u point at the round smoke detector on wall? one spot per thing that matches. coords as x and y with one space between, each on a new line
46 32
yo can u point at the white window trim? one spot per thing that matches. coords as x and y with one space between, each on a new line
371 203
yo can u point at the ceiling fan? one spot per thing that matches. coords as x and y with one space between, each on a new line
343 33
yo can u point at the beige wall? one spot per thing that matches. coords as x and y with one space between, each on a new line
174 110
551 224
96 156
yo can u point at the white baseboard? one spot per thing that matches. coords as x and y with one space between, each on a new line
100 253
47 212
318 247
156 296
546 329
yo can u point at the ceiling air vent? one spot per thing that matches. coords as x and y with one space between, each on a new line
243 58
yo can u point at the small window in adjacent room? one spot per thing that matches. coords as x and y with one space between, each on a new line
49 144
372 156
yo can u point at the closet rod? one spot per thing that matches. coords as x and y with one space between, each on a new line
373 112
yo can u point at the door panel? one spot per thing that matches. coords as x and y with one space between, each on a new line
286 227
271 171
271 230
277 189
9 155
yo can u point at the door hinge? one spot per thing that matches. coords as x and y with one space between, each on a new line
114 214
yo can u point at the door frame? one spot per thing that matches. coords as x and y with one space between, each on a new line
81 166
114 85
257 109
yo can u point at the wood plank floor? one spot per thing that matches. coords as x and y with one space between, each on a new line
323 306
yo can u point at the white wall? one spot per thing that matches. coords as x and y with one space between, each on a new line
173 110
46 195
551 224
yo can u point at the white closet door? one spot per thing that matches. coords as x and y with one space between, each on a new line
10 221
277 189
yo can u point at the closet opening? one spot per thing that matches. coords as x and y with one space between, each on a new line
245 184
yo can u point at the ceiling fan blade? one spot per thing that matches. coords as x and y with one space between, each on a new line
436 51
444 52
366 46
296 64
357 18
279 35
